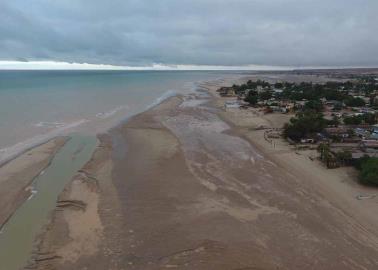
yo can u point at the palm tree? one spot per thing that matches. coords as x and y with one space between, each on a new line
324 150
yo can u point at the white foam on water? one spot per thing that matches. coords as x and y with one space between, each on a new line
50 124
33 192
104 115
190 102
10 152
164 96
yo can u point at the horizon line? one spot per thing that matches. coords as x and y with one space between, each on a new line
60 65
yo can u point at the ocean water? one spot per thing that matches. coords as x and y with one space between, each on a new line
37 105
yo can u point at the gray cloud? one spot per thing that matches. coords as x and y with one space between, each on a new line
195 32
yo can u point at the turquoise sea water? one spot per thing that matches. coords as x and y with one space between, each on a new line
35 105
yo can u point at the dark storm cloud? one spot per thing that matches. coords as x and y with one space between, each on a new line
195 32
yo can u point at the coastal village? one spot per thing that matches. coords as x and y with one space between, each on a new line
338 119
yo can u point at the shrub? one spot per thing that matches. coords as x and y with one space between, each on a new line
314 105
304 124
369 171
354 102
252 97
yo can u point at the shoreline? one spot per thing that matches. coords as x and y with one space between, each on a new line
18 237
178 186
18 173
91 121
340 183
13 159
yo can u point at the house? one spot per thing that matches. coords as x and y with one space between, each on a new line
276 108
321 137
341 132
374 136
368 145
365 110
375 129
323 100
226 92
235 104
362 133
277 91
374 100
287 106
359 154
307 140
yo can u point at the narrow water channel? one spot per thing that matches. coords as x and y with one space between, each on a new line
18 235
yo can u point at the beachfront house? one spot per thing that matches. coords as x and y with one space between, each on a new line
339 133
277 92
375 129
287 106
226 92
232 104
362 133
374 136
369 145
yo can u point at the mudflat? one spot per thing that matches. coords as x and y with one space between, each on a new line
180 186
17 175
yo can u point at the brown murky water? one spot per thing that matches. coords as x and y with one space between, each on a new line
18 234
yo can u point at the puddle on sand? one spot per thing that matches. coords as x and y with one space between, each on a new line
19 233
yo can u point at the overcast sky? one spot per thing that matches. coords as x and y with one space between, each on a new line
191 32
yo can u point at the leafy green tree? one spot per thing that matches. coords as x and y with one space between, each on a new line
252 97
352 120
334 122
304 124
344 156
369 171
314 105
360 161
337 107
333 94
278 85
354 102
324 151
370 118
265 95
367 118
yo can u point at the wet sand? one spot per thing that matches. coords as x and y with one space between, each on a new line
17 175
182 186
340 185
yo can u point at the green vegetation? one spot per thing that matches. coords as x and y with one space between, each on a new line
354 101
333 160
252 97
344 156
353 120
334 122
367 118
250 85
304 124
327 156
314 105
324 151
368 170
341 92
265 95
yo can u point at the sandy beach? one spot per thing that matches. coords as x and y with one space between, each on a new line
188 135
188 185
17 175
